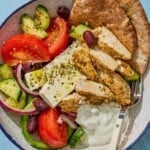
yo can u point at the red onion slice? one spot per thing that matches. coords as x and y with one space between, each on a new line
20 82
66 119
5 106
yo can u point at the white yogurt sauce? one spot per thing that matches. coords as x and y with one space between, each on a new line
98 123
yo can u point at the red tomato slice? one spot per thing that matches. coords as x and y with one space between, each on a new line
24 48
50 131
57 39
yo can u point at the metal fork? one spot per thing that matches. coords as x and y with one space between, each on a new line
136 96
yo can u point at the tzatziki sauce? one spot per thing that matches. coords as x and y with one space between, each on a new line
98 123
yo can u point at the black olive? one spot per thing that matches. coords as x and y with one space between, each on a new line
63 12
32 124
40 104
89 38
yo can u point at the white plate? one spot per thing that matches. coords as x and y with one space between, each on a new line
10 122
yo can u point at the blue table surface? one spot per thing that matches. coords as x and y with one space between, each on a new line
5 11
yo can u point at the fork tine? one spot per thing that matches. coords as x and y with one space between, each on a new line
137 90
140 92
136 97
132 86
132 90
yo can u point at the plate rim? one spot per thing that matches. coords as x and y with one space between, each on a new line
10 138
15 11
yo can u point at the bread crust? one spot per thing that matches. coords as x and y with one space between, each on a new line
105 13
137 15
125 18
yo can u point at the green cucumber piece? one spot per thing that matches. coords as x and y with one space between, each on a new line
29 106
134 77
127 71
29 138
70 132
41 18
23 97
76 137
14 103
78 31
29 98
28 26
10 88
5 71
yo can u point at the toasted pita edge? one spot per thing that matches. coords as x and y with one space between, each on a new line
137 15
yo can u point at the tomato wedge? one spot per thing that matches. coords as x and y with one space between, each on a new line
24 48
57 39
50 131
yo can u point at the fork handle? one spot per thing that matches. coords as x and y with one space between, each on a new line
117 132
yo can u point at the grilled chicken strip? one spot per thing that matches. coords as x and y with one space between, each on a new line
72 102
95 92
118 86
110 44
83 62
103 60
114 81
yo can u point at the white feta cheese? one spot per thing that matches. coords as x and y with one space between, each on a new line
35 79
62 77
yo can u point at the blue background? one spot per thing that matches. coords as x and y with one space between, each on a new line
6 8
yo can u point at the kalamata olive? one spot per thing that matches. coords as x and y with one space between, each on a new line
40 104
28 67
14 70
89 38
63 12
32 124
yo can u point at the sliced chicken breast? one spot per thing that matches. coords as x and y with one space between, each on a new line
82 61
109 43
103 60
118 86
94 91
72 102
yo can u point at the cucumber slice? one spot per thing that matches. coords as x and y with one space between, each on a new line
29 106
20 107
15 104
29 98
76 137
35 79
41 18
78 31
70 132
134 77
23 97
5 71
10 88
28 26
127 71
33 142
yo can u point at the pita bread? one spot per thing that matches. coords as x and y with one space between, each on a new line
138 18
125 18
107 13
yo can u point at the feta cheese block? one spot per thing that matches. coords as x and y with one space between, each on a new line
62 77
35 79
